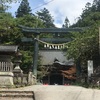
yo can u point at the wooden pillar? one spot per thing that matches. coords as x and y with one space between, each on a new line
63 79
78 67
49 79
35 57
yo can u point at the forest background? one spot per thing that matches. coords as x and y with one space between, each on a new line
84 45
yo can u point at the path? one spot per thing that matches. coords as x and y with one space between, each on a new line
56 92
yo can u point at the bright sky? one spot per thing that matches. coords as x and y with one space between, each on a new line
59 9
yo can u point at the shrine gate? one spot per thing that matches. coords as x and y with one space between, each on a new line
51 43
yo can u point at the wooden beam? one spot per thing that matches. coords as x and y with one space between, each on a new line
56 40
49 30
52 40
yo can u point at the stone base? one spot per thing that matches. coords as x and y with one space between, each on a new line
6 79
34 81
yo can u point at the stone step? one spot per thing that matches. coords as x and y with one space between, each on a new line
16 95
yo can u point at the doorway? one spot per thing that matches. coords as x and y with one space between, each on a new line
56 79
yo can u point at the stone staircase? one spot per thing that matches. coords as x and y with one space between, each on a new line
17 95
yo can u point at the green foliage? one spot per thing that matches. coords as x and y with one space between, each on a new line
27 51
46 17
8 1
30 21
85 45
4 4
8 30
90 15
96 5
10 34
27 59
66 23
24 9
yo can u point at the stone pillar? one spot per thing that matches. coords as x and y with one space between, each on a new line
90 69
31 78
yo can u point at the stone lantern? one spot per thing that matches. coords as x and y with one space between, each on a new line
6 65
18 73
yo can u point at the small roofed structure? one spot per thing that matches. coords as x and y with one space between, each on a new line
60 73
6 65
8 49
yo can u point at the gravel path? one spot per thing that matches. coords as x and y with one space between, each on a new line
58 92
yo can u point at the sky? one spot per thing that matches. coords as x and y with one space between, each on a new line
59 9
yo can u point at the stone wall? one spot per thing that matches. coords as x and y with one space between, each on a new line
24 79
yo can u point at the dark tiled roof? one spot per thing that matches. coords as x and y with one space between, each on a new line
8 48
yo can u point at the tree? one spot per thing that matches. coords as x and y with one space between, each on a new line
4 4
85 44
90 15
7 28
66 23
1 6
46 17
27 48
8 1
24 9
96 5
30 21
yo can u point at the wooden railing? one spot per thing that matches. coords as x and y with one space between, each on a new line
6 67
